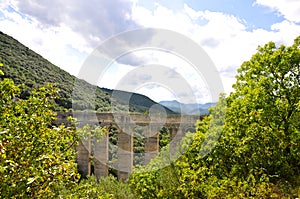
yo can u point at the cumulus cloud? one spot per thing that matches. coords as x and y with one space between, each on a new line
60 45
289 9
226 38
93 18
65 32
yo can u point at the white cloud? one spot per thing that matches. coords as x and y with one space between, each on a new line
289 9
224 37
162 17
287 31
65 32
93 18
56 44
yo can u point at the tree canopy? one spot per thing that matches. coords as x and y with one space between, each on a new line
258 151
36 158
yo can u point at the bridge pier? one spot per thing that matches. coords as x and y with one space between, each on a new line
125 152
83 157
101 156
174 141
151 143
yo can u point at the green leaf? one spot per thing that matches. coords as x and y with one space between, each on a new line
31 180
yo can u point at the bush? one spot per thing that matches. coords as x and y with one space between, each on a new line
104 188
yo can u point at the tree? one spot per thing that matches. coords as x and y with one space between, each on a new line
258 152
264 111
36 158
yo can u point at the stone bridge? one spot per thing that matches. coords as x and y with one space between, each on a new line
125 123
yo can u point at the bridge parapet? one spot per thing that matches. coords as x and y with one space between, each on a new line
135 118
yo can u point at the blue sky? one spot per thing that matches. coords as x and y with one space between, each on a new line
256 16
67 32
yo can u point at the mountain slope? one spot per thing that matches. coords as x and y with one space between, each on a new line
189 109
26 67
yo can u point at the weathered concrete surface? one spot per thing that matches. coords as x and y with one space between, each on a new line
101 156
125 152
83 157
151 143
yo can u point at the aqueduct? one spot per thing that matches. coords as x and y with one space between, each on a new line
176 124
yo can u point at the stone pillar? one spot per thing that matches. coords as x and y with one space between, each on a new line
176 135
151 144
83 157
101 155
173 132
125 152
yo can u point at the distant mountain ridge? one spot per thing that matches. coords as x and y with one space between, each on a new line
189 109
26 67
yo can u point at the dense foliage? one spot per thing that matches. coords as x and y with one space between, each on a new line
36 159
258 152
103 188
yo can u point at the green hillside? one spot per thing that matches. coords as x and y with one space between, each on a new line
26 67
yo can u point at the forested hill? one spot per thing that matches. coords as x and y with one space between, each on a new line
26 67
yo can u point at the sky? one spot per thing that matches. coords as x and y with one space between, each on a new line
229 31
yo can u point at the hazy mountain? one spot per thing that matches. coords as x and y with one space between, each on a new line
187 108
26 67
